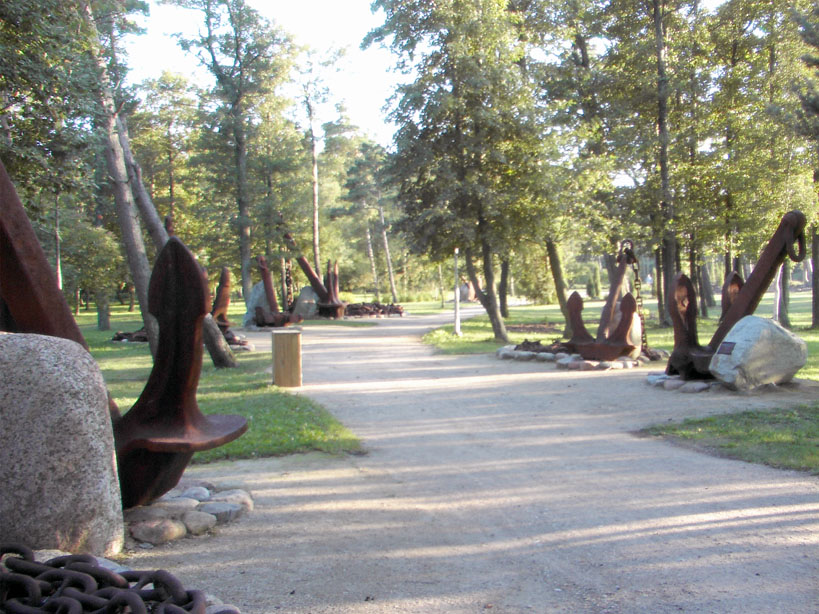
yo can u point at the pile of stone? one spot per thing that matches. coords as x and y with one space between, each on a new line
572 362
756 352
675 382
192 508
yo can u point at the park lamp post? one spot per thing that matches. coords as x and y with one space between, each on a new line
457 298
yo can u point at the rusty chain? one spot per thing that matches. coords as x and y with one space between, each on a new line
77 584
627 247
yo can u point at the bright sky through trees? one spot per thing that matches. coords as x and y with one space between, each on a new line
364 80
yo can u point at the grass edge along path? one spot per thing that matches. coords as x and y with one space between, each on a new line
782 438
279 423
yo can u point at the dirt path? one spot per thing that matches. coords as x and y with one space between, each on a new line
506 487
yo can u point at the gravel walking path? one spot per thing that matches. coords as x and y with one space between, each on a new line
508 487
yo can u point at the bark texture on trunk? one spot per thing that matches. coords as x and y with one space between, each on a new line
373 268
503 288
487 296
560 283
218 348
386 242
814 282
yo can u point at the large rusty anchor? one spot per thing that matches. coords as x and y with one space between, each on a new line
156 439
272 317
690 359
614 337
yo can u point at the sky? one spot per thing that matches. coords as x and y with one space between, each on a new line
363 84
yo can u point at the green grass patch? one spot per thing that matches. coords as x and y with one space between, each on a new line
781 438
279 422
477 337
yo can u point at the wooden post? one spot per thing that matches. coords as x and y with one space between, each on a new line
287 358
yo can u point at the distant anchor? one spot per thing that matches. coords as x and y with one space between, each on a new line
691 360
610 343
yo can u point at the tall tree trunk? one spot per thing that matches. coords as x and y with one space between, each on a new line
58 266
503 288
696 278
314 159
814 278
441 284
658 280
669 241
103 310
129 225
171 178
707 289
147 210
372 264
707 285
560 283
610 262
390 271
487 296
242 202
216 344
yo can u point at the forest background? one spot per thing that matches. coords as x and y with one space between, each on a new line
532 135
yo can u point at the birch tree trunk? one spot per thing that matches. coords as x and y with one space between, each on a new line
127 218
390 271
372 264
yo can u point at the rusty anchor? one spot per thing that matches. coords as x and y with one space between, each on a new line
156 439
272 317
329 304
614 337
221 301
691 360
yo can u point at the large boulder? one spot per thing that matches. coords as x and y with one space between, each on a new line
307 303
59 486
258 298
758 351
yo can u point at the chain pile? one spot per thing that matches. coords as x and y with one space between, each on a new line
77 584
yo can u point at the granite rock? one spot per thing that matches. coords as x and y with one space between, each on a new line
198 522
56 434
758 351
158 531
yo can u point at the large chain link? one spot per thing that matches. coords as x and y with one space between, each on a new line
639 299
76 584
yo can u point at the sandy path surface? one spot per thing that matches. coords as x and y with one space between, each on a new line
501 486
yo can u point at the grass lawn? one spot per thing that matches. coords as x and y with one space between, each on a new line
784 438
477 335
279 422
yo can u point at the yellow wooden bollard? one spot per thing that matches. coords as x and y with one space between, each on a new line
287 358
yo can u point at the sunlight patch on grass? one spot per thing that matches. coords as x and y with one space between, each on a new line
279 422
782 438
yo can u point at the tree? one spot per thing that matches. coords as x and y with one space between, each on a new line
112 126
808 125
366 187
315 94
92 262
47 102
162 127
248 57
465 131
